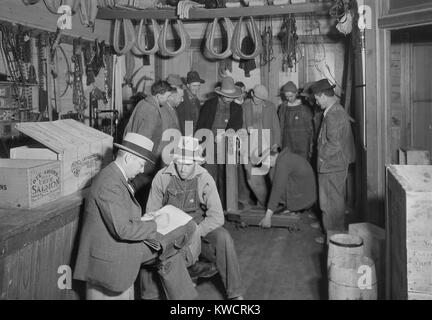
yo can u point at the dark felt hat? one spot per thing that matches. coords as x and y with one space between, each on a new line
321 86
192 77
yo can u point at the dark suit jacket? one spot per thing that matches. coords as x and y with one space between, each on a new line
336 149
111 247
208 113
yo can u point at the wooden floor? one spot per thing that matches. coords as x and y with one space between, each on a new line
276 264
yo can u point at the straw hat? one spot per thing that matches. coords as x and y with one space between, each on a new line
188 151
139 146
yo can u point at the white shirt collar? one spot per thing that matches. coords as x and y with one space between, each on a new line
122 171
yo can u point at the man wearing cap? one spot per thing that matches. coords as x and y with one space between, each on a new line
221 114
260 114
189 187
295 122
147 120
189 109
293 186
169 115
113 245
336 150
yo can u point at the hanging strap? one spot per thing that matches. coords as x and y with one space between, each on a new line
88 12
53 5
256 36
141 46
184 39
129 36
210 52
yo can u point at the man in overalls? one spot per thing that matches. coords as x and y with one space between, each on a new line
189 187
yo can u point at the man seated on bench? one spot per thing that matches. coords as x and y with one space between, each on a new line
188 186
114 243
293 186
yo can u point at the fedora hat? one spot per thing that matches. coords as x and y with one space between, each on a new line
139 146
321 86
188 151
174 80
193 77
228 88
260 92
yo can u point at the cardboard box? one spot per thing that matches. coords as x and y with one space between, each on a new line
26 184
81 150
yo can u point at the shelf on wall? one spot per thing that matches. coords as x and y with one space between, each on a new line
318 8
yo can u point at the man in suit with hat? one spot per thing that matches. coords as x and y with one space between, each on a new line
113 240
189 187
336 150
221 113
189 109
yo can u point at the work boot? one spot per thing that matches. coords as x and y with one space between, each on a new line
202 270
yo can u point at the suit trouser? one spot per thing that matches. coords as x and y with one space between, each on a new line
180 290
332 199
218 247
172 270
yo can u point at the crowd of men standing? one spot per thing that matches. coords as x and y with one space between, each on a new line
303 160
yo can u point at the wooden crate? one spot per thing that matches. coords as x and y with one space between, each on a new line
414 157
26 184
409 231
83 151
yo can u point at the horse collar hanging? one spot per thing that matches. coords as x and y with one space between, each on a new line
256 38
184 40
210 51
142 44
129 36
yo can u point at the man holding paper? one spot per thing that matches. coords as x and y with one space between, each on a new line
187 186
115 243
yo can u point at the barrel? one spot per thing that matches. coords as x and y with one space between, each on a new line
342 245
95 292
352 277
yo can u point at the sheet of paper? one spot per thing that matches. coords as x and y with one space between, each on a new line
168 218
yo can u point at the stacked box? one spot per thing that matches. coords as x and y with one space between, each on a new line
82 150
26 184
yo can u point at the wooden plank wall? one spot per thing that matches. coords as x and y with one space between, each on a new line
31 272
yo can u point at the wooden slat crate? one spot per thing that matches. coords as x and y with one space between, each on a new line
26 184
409 231
83 151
